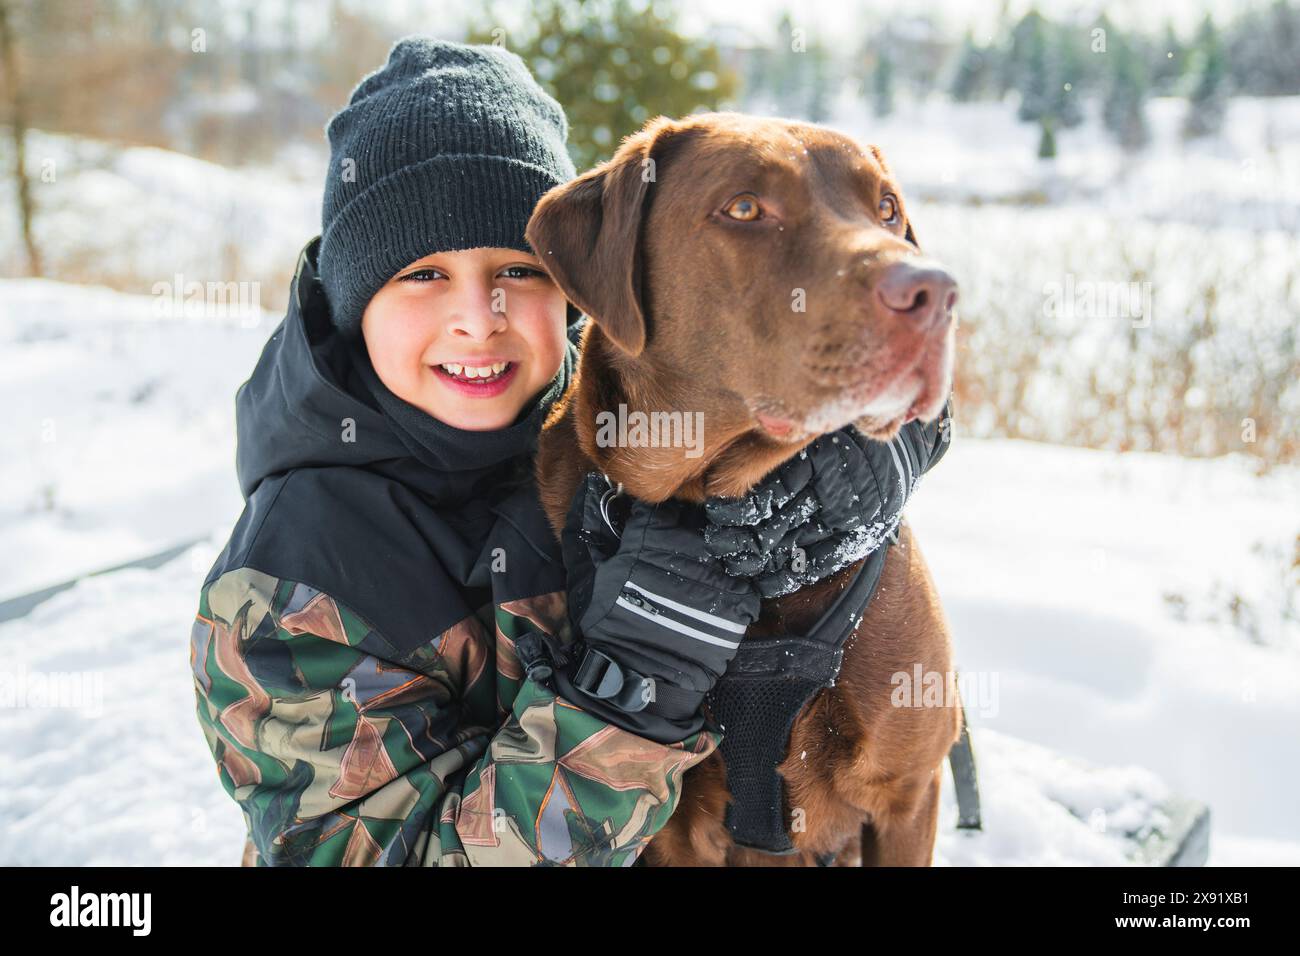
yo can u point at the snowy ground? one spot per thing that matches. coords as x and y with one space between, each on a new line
1053 564
119 437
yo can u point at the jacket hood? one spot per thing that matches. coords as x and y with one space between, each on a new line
303 404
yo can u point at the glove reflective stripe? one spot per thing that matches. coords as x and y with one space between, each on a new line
719 622
656 615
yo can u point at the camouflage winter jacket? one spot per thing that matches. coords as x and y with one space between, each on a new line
353 651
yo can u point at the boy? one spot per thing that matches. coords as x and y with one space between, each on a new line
354 651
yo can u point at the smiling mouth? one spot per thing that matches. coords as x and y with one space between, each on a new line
480 375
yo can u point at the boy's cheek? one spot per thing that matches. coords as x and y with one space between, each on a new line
398 362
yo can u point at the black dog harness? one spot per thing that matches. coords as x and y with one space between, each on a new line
756 701
765 688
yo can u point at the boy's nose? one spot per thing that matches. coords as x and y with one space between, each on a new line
478 316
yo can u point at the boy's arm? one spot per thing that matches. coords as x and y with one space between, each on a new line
340 751
560 786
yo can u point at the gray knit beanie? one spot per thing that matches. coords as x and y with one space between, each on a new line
448 146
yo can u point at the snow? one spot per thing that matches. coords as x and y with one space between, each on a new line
125 778
120 428
1027 798
134 216
1052 564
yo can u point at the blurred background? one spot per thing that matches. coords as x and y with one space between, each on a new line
1115 533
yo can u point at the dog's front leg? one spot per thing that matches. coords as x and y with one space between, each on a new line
904 835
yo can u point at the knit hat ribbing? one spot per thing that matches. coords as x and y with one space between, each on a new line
448 146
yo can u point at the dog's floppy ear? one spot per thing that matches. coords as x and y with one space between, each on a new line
587 233
908 234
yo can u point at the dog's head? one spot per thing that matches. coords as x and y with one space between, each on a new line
769 262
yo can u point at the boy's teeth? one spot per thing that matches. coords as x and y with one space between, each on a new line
476 371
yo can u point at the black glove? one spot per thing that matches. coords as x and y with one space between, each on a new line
834 503
657 617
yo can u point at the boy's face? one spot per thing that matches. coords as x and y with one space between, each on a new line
474 308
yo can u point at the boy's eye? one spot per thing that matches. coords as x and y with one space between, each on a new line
521 272
420 275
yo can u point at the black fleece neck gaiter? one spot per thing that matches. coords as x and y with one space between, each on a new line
465 460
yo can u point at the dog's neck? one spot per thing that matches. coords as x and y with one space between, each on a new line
728 452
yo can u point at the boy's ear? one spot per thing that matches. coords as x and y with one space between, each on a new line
587 234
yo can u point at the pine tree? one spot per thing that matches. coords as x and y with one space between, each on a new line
758 73
882 86
787 77
1097 65
1012 65
1262 49
1033 76
610 63
820 88
1170 62
1049 69
1047 140
1209 101
972 71
1124 111
1067 78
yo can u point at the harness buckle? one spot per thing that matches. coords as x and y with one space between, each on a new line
599 675
538 656
610 494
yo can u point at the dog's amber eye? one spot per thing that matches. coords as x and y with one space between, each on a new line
744 207
888 210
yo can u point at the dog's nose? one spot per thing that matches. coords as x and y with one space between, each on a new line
923 291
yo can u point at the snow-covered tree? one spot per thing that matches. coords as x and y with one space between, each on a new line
1208 101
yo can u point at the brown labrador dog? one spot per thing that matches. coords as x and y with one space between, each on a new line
763 272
